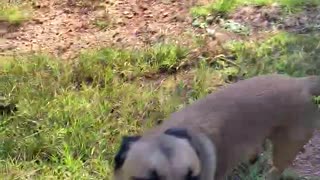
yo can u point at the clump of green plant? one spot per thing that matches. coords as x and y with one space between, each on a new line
101 24
217 7
14 13
316 100
130 63
235 27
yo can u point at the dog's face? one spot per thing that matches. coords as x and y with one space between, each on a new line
169 156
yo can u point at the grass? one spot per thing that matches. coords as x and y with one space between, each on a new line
71 117
101 24
105 63
65 131
223 7
14 13
296 55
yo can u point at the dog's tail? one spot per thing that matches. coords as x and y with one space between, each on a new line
314 85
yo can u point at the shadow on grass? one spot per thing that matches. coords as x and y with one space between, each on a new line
286 53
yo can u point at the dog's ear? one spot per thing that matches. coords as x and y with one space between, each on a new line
179 133
123 150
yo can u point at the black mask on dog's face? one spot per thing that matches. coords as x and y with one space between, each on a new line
123 150
163 152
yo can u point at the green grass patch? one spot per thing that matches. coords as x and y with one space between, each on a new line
223 7
293 54
65 131
102 24
5 61
15 13
103 64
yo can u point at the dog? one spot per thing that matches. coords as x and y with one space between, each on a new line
208 138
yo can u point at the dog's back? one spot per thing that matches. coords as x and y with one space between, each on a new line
240 116
225 128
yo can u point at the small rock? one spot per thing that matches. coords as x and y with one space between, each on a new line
128 14
100 13
211 32
148 15
209 19
165 14
196 23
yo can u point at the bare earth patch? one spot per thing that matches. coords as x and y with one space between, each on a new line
63 29
258 18
308 162
56 29
272 18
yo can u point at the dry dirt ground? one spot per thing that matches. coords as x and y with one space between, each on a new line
64 28
308 162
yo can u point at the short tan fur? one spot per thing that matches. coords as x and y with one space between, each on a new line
227 127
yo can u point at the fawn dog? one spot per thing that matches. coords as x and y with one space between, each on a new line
207 139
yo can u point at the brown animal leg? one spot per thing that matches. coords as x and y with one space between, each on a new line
287 143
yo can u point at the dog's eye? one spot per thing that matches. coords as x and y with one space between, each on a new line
189 176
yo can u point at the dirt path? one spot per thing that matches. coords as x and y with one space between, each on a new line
63 30
308 162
